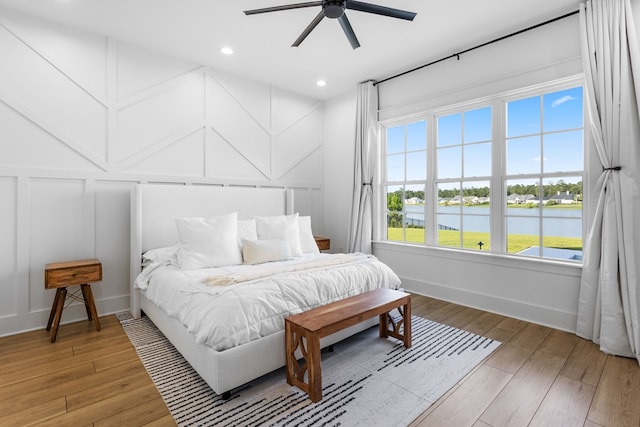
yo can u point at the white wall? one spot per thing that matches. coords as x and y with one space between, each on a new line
538 291
84 118
339 149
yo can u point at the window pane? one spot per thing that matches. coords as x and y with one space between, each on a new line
523 236
394 197
395 167
417 136
450 130
477 160
562 238
417 166
563 152
475 232
476 197
477 125
563 110
395 139
523 155
449 196
450 162
414 208
449 230
563 197
395 232
523 117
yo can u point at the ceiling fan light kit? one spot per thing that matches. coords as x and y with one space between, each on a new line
335 9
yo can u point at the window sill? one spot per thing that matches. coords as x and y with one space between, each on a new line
502 260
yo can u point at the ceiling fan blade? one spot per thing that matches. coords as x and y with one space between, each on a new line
309 28
380 10
348 31
283 7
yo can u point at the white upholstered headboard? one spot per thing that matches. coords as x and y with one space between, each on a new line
155 206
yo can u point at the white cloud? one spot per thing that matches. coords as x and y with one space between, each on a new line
561 101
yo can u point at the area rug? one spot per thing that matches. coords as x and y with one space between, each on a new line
367 381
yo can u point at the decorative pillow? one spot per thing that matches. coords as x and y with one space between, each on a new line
259 251
280 227
307 242
208 242
247 230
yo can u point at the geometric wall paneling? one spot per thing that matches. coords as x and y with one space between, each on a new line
56 231
297 141
226 162
76 53
140 69
237 126
39 90
26 144
183 156
168 110
8 226
254 97
307 169
289 108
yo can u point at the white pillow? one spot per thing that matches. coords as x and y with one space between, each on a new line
307 242
259 251
208 242
280 227
247 230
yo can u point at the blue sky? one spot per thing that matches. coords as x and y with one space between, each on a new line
540 134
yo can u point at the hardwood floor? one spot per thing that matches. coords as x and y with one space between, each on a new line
538 377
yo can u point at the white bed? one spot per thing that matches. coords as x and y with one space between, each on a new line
153 212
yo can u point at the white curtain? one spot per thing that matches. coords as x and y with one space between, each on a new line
361 227
609 297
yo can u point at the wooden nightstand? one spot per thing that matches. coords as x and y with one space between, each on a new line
324 243
59 275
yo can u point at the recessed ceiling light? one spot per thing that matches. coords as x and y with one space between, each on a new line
321 83
226 50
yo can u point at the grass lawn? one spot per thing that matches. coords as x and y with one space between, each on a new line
516 242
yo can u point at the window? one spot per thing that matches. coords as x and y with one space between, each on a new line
503 175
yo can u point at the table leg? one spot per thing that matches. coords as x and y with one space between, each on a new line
90 305
53 309
61 295
384 325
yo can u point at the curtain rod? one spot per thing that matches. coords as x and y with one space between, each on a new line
457 55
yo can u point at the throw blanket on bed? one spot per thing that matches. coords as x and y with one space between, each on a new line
268 271
227 316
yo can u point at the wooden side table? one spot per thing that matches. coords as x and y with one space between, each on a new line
324 243
59 276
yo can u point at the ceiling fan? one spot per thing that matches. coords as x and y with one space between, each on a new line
335 9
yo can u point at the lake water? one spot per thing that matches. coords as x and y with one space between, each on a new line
555 222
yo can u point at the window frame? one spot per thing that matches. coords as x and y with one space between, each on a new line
498 179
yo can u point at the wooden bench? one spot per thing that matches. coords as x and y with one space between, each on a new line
303 331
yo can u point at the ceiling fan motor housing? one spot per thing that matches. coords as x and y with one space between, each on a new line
333 8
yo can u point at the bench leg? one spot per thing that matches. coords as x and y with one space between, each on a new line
309 346
407 325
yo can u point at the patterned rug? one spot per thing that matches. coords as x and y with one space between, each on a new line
366 380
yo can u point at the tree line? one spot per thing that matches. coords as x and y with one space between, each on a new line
547 191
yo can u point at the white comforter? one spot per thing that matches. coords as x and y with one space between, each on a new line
226 316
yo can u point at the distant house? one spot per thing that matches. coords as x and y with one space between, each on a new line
518 199
563 198
413 201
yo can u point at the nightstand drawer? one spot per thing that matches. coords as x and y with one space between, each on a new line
324 243
64 274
